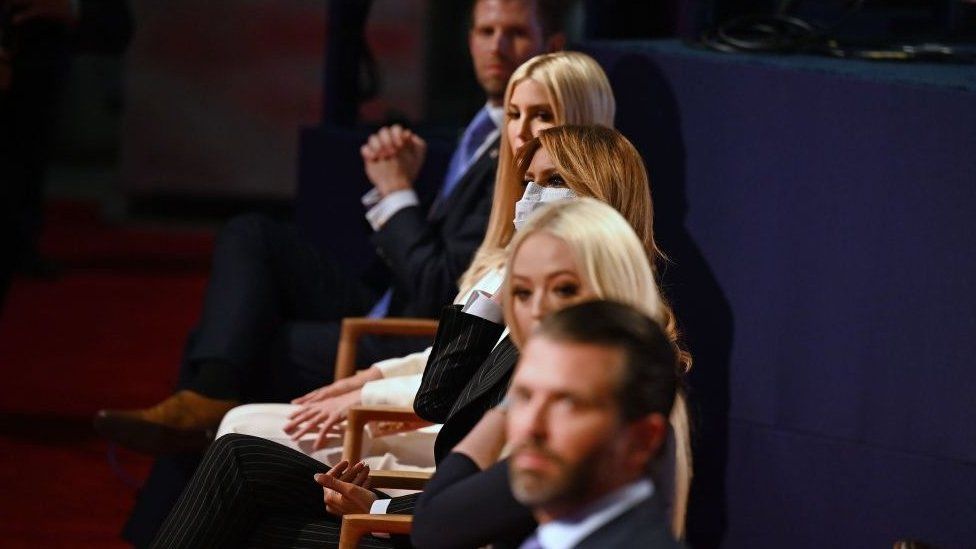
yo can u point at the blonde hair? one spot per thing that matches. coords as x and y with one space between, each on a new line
597 162
602 163
578 92
610 258
614 263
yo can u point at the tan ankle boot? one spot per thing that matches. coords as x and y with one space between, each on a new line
186 410
183 422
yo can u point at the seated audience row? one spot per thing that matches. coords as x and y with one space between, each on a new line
595 242
252 491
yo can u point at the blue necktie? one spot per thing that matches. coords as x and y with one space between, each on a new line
532 543
474 135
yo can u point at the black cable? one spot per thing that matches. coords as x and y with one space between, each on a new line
773 33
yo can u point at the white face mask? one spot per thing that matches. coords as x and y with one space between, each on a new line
535 197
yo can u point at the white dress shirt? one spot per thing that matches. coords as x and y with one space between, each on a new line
568 532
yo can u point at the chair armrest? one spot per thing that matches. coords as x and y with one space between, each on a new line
399 480
354 328
354 527
357 418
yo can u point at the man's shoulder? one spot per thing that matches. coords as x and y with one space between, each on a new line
643 526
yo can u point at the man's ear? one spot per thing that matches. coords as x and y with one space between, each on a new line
556 42
647 436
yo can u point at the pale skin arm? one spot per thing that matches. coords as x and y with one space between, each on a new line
341 386
485 442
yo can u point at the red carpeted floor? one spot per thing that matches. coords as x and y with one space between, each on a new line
107 333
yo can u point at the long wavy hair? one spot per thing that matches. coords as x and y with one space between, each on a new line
614 263
578 92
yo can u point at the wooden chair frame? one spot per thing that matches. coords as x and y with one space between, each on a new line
355 526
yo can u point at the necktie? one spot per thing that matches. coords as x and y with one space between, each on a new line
532 543
474 135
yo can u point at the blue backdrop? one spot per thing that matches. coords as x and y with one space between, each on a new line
819 214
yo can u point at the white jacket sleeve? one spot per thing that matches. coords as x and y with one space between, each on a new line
413 363
395 391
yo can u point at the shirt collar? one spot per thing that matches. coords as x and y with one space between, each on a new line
497 114
568 532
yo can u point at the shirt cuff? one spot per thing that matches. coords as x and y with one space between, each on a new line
379 507
388 206
371 198
481 305
489 283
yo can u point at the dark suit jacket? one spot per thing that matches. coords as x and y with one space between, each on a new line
428 252
466 375
643 527
463 506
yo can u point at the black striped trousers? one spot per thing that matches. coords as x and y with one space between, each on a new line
251 492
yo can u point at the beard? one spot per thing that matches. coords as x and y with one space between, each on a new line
569 483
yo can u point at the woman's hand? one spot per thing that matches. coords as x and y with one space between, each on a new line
341 387
322 415
346 489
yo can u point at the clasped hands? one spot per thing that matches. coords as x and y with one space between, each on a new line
392 158
346 489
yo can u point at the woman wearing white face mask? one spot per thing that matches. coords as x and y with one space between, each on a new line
468 373
548 90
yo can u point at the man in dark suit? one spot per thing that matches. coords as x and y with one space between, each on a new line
587 412
270 321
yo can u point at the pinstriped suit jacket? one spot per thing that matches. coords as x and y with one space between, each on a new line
466 375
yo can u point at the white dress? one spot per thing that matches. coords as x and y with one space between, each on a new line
411 450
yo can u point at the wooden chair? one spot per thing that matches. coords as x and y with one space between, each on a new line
353 329
354 527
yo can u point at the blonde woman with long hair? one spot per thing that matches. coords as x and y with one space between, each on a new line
468 373
548 90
